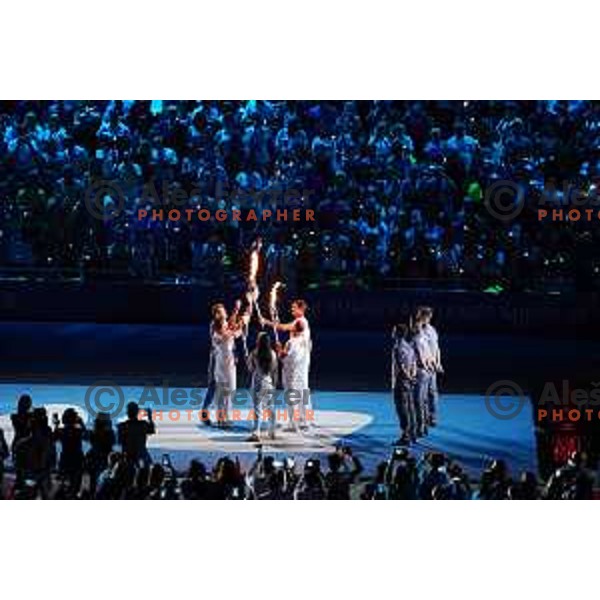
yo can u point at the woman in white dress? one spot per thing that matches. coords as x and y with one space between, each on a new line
262 364
224 333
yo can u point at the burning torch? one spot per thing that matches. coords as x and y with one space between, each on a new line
274 313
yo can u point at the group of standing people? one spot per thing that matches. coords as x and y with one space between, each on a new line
41 446
416 363
228 344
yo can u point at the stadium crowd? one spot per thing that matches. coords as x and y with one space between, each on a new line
69 461
397 188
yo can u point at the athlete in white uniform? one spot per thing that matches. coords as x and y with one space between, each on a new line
430 335
424 372
296 366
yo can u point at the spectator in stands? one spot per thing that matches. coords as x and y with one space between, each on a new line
4 454
459 482
21 420
35 456
140 488
571 482
197 484
495 482
311 485
133 435
156 482
435 475
402 476
70 436
344 469
102 440
266 479
228 480
527 488
368 166
115 479
377 488
130 476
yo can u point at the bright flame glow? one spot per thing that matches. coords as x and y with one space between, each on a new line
273 296
254 260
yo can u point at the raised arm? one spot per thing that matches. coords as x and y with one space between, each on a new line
292 326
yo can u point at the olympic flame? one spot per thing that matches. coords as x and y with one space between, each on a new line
273 298
273 307
253 269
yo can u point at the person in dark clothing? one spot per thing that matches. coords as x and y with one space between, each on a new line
70 436
344 468
133 435
4 452
228 479
197 485
495 482
21 420
402 476
35 456
573 481
156 481
102 440
404 373
140 488
435 475
527 488
376 489
113 481
311 486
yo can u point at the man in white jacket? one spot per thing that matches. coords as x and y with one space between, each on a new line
295 355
